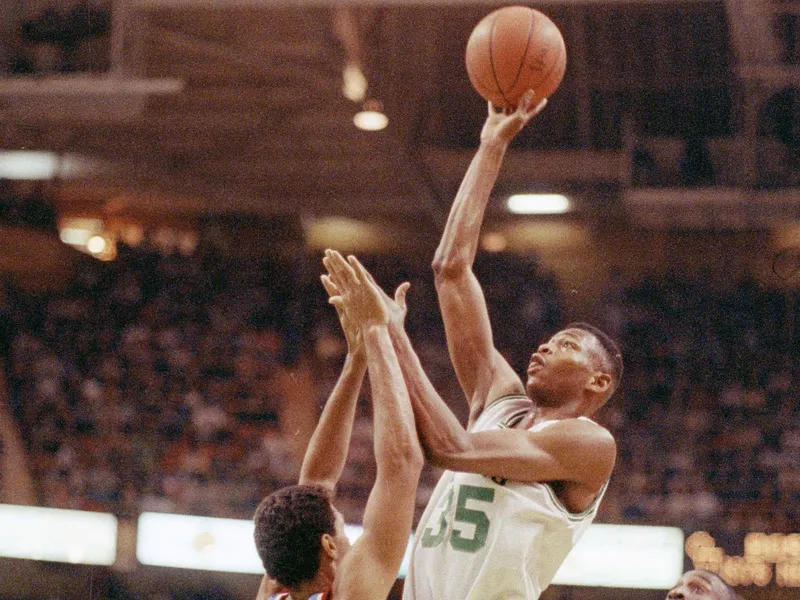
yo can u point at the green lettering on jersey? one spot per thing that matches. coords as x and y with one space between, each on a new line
431 540
464 515
468 515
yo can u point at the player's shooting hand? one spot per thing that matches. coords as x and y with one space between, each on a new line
503 126
352 333
361 299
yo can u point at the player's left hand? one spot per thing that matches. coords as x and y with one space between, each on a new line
503 126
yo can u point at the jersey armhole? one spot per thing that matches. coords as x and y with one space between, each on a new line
579 516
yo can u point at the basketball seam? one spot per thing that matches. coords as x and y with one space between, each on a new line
527 47
555 64
491 61
487 88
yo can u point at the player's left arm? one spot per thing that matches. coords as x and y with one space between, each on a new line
573 450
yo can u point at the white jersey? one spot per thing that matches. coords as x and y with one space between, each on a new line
482 538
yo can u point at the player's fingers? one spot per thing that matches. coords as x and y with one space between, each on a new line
538 108
491 108
400 293
526 102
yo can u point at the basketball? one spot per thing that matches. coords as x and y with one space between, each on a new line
514 49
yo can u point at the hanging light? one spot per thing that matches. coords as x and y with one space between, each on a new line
538 204
371 118
354 84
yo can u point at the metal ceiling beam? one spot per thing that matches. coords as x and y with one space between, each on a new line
223 4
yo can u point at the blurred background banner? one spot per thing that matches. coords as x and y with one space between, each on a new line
50 534
625 557
188 542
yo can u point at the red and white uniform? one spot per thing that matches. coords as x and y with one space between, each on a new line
326 595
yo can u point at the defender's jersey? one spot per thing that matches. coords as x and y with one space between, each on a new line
321 596
484 538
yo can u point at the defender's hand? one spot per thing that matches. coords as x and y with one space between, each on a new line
352 333
361 299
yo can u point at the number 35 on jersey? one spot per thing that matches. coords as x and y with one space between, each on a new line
463 522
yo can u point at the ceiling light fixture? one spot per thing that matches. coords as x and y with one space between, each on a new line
354 84
538 204
372 117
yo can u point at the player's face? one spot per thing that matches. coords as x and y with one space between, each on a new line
696 585
561 367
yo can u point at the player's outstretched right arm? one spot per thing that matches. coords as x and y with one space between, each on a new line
481 370
370 569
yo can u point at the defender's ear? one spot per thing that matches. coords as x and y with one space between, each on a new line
329 546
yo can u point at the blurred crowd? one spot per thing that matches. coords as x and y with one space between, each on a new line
190 384
62 37
707 424
26 204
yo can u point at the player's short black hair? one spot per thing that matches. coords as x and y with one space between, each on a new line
612 356
289 525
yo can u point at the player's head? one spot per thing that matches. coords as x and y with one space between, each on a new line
580 361
701 585
298 534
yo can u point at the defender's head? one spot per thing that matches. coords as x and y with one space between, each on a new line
578 362
701 585
299 535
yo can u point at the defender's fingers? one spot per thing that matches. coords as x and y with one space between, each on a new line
329 285
341 268
337 302
361 273
332 276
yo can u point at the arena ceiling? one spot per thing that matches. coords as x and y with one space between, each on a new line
237 106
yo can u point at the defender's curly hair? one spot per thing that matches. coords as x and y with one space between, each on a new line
289 524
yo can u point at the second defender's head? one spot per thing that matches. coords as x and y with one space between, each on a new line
299 535
701 585
580 362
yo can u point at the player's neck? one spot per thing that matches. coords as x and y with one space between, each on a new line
314 586
541 413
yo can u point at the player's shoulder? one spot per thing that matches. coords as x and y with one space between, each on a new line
582 429
502 411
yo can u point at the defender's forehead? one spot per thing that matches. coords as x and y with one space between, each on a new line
696 575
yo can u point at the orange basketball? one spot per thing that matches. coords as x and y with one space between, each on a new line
514 49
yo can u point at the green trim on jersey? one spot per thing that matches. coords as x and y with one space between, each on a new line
506 397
